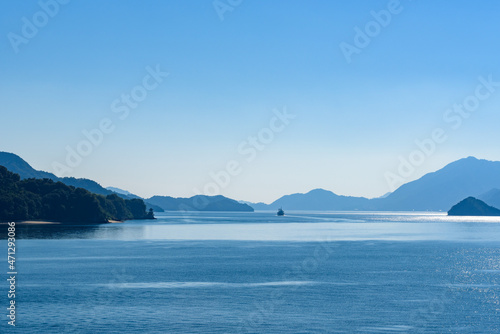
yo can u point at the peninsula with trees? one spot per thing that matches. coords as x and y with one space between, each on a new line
48 200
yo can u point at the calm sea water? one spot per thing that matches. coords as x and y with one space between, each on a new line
257 273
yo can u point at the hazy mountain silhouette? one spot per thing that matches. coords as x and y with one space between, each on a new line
440 190
318 199
128 195
258 206
436 191
122 192
199 203
17 165
491 197
473 207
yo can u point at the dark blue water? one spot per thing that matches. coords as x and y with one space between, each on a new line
256 273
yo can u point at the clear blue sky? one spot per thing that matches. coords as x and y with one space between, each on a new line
353 120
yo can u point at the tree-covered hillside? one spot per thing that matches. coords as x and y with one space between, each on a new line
35 199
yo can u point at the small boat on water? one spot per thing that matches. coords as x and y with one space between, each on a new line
281 212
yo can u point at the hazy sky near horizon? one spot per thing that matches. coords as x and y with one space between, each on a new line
228 78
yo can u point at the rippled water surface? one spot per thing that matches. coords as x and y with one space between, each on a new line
257 273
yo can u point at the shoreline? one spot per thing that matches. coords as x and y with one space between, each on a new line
44 222
33 222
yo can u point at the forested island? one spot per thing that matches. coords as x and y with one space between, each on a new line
473 207
44 199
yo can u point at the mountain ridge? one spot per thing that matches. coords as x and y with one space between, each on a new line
17 165
199 203
492 197
435 191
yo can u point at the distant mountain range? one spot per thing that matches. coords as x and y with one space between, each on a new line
442 189
437 191
199 203
122 192
17 165
195 203
491 198
317 199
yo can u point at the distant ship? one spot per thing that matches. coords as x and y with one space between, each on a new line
281 212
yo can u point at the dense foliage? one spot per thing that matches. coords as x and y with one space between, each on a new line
44 199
